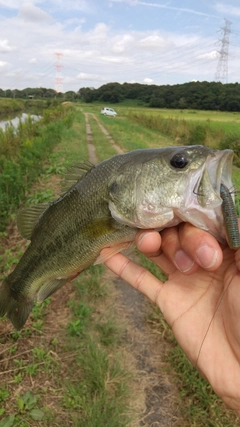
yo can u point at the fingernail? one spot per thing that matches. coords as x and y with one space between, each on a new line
207 256
183 262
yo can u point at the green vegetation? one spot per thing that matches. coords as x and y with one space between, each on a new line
130 135
193 95
97 394
22 155
186 132
8 106
65 367
104 149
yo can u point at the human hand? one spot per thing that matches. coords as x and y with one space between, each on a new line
200 300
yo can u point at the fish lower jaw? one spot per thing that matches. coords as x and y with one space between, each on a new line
210 220
144 218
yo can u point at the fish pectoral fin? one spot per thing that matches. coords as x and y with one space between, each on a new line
49 288
107 253
27 219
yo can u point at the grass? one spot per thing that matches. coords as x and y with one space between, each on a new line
8 106
104 149
96 395
127 134
171 126
70 373
65 367
132 136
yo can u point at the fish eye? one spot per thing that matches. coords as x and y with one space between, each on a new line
179 161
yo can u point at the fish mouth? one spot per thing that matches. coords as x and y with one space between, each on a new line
217 170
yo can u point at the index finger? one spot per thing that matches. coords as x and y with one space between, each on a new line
137 276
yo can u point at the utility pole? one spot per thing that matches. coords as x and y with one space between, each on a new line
222 67
58 79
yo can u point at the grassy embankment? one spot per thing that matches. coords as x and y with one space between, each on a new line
22 155
64 367
10 107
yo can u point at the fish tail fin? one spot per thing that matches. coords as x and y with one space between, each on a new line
16 310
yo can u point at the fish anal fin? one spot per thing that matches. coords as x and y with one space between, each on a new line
107 253
49 288
27 218
19 313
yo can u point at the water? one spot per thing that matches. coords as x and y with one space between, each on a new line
15 122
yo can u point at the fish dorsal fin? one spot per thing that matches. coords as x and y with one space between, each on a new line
27 218
75 173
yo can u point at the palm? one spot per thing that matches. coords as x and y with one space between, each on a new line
202 306
203 310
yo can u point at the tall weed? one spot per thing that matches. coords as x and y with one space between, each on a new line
22 154
186 132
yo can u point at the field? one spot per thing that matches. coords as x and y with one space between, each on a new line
97 353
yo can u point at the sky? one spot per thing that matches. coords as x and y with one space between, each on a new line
70 44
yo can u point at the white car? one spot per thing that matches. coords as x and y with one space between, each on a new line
108 112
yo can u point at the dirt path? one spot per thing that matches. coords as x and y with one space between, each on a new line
154 394
92 157
118 149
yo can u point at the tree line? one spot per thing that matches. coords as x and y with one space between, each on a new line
192 95
38 93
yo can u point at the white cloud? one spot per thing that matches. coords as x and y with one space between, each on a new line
78 5
114 59
86 76
209 55
13 4
148 81
153 41
227 9
3 65
90 77
16 73
5 47
122 43
97 52
29 12
75 22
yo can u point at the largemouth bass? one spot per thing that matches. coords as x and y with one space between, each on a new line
105 207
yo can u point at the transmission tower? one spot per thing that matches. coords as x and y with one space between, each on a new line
222 67
58 79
